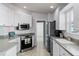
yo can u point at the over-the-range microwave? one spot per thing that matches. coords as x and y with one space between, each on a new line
23 26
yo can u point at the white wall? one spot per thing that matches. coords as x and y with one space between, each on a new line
50 17
39 16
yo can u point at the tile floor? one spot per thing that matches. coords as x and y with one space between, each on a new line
37 51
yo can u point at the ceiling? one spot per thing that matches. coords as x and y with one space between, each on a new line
40 7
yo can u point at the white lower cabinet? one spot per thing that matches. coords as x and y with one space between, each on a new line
58 50
62 52
55 49
11 52
19 44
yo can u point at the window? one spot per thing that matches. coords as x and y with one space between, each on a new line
69 20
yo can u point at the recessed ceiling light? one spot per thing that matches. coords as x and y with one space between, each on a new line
51 6
25 7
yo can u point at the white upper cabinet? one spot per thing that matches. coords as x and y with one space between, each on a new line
16 20
11 17
3 15
56 18
22 17
6 16
29 20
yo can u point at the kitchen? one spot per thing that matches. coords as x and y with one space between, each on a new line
18 33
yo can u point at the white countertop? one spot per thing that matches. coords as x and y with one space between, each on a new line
71 47
24 31
5 44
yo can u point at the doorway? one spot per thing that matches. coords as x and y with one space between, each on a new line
40 33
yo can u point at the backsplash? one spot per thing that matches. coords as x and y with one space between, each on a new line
5 29
66 35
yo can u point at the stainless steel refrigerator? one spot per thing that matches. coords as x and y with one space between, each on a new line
51 31
51 28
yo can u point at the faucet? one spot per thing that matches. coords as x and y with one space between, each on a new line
69 38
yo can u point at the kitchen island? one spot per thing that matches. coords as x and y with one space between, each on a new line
11 46
8 48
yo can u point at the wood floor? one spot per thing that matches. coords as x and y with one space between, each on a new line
39 50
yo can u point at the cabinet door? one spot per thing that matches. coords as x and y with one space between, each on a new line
17 19
18 41
3 14
12 51
11 17
7 15
21 17
62 52
55 49
19 44
29 20
57 18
